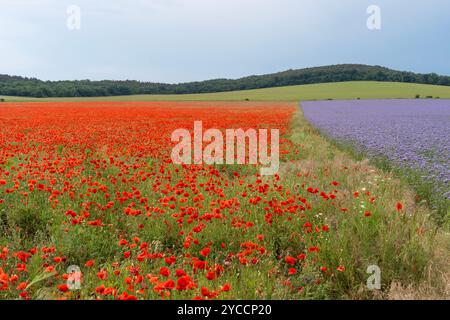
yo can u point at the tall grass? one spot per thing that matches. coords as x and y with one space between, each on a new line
405 245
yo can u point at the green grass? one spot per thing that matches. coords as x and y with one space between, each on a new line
388 239
425 189
338 90
405 245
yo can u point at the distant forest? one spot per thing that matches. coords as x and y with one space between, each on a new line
31 87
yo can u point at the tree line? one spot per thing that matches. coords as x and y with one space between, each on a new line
32 87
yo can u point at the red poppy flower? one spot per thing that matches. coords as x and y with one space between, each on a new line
211 275
205 292
63 288
102 275
169 284
100 289
226 287
164 272
183 283
290 260
301 256
313 249
126 296
179 273
205 251
89 263
22 286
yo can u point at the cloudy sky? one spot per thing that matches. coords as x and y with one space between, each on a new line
186 40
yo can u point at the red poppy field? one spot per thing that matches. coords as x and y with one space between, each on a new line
91 187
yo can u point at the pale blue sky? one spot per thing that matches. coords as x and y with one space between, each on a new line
186 40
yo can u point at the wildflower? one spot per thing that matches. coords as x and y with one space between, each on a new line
301 256
89 263
204 252
57 259
169 284
183 283
211 275
100 289
290 260
102 275
226 287
170 260
63 288
164 272
180 273
126 296
22 286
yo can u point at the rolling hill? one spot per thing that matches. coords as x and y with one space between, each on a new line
339 90
31 87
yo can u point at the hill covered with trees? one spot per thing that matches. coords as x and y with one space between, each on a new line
31 87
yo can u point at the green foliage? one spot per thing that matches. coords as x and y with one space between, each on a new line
31 87
386 238
30 223
321 91
83 242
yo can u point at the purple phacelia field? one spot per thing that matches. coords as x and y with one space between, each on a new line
411 133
